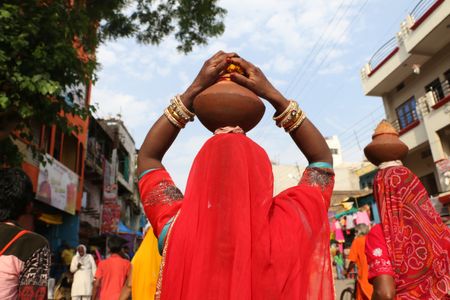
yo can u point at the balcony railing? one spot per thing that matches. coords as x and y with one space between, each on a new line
94 154
417 16
439 95
409 121
421 11
424 105
383 54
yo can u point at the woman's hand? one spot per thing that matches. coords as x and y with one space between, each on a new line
208 75
257 82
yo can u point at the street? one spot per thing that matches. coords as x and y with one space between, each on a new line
340 285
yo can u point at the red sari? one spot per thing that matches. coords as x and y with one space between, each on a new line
231 239
412 244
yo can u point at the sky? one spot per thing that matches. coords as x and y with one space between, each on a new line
311 50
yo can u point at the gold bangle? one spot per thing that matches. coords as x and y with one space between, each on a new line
296 124
177 116
172 120
176 106
286 111
183 108
291 118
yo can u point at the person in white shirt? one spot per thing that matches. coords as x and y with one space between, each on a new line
83 266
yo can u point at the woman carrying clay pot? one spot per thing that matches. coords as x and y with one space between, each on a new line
228 237
408 253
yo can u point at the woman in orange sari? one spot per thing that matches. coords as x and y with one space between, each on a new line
357 257
228 237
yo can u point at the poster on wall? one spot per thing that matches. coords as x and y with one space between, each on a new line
110 217
57 186
111 208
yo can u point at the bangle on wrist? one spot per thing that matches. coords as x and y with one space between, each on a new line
177 113
291 118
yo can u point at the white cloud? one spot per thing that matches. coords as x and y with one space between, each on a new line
136 113
276 35
106 55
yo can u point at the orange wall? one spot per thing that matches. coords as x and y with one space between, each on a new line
33 171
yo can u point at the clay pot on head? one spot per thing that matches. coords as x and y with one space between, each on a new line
228 104
385 145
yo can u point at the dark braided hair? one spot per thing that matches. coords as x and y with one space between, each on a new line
16 191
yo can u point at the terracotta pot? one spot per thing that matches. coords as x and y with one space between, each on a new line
228 104
385 147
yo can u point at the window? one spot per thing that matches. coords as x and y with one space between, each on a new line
435 87
36 131
406 113
447 76
334 151
57 146
124 163
429 182
70 152
47 139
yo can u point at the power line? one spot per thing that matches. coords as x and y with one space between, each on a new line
315 71
318 41
308 62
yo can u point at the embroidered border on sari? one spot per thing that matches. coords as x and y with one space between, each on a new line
163 259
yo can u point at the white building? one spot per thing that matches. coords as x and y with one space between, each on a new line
411 72
346 177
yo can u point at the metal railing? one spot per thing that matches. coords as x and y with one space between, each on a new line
421 9
411 117
383 52
94 153
424 105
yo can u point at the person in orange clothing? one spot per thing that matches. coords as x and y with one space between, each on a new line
358 257
112 272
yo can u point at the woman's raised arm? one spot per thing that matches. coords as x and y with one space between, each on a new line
163 132
306 136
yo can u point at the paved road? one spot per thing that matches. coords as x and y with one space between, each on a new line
340 285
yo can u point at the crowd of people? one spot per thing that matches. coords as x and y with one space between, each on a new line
90 276
28 270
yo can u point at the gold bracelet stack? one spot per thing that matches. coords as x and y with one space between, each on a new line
291 118
177 113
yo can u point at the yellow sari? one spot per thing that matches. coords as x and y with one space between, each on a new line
146 264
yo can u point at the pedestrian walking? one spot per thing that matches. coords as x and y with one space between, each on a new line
83 268
112 272
358 259
339 264
24 255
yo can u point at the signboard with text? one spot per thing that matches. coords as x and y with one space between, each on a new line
111 208
57 186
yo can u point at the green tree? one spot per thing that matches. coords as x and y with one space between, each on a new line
47 49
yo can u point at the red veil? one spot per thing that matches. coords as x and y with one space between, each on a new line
233 240
417 240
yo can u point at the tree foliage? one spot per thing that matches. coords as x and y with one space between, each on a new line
47 48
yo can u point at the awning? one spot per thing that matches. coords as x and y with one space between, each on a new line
344 213
52 219
125 230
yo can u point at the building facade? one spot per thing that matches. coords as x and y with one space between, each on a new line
411 73
58 184
111 198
